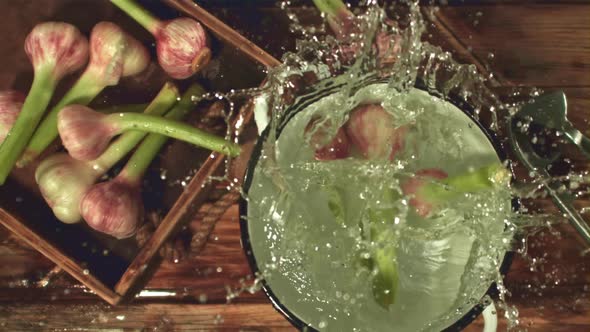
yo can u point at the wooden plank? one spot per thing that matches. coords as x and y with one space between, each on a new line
538 45
531 44
149 317
221 317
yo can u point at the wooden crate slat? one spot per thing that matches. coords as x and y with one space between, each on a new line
531 45
62 260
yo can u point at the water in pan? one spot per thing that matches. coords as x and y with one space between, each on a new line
444 263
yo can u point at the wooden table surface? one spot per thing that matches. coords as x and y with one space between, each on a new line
543 44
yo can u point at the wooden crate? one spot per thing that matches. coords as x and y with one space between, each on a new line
116 269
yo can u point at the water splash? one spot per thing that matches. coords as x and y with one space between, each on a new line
246 285
339 71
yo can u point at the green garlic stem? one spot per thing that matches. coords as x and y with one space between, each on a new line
139 14
149 148
82 92
33 108
165 99
175 129
147 152
483 178
333 8
385 281
187 102
323 6
339 17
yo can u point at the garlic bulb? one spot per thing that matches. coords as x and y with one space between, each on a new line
113 207
63 181
57 46
182 47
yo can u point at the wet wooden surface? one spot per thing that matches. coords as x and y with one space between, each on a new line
534 43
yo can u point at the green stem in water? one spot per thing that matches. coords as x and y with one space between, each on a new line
386 279
139 14
82 92
165 99
383 258
175 129
331 7
483 178
33 108
336 12
149 148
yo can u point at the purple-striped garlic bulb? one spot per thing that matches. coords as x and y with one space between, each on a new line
57 46
113 207
182 47
83 132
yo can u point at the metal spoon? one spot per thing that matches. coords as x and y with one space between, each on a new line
537 164
550 111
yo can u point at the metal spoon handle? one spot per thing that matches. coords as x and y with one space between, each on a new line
585 146
576 137
563 202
